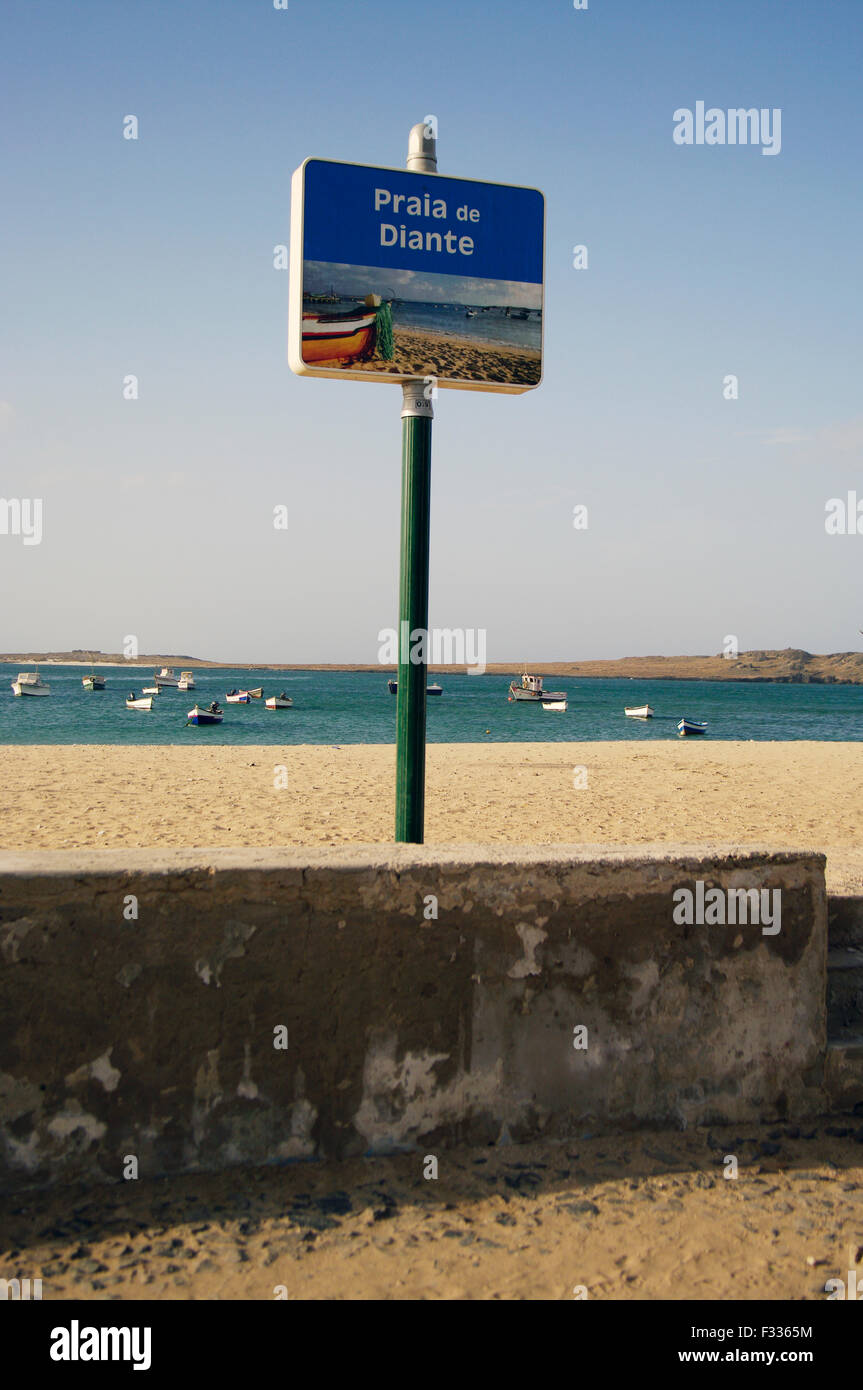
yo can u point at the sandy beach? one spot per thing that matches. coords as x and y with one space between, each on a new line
644 1216
445 355
806 795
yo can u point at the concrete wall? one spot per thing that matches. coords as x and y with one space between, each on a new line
154 1036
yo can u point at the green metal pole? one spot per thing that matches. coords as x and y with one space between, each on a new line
413 615
414 573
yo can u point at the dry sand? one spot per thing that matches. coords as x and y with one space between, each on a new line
420 354
645 1216
806 795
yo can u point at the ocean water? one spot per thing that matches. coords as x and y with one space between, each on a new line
355 707
490 327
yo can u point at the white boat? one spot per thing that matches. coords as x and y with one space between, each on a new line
238 697
150 690
93 682
638 711
165 677
30 683
531 689
554 704
186 681
257 693
282 701
434 689
134 701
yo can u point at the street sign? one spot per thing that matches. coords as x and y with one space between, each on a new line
399 276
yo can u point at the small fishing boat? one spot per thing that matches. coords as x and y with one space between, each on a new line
435 689
166 678
211 715
30 683
470 314
134 701
150 690
186 681
282 701
531 689
691 726
237 697
554 704
256 694
638 711
340 337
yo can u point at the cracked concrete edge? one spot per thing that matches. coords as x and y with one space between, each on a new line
396 858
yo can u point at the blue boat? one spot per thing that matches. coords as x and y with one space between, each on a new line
211 715
691 726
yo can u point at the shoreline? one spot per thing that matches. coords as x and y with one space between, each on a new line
787 667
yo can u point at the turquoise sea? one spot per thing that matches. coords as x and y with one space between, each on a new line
355 707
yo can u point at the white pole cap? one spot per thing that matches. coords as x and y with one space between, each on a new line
422 156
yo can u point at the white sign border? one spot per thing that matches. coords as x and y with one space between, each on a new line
295 295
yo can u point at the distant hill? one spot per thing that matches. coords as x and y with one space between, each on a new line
790 666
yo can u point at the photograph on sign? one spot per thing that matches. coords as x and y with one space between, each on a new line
399 275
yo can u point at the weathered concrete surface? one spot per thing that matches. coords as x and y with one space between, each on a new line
155 1037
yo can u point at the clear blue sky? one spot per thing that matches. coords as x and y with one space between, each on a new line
154 257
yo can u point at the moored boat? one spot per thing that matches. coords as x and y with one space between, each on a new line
257 693
638 711
134 701
282 701
166 678
150 690
434 689
691 726
30 683
559 705
186 681
237 697
211 715
531 689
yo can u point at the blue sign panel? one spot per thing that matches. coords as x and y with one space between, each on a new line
398 275
386 217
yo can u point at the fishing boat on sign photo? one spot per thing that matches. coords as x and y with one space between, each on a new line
339 337
531 689
349 335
